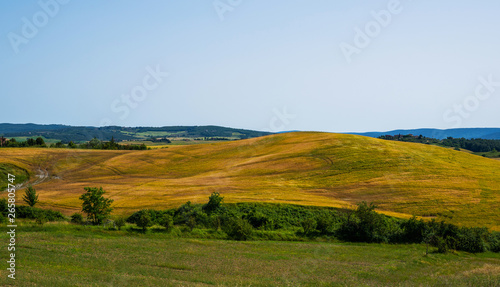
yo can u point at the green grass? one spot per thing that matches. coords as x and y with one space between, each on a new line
6 169
491 154
69 255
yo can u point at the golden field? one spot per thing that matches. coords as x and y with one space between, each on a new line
321 169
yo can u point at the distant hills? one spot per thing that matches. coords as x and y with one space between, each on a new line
85 133
67 133
468 133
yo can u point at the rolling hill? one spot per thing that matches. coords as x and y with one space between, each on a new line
320 169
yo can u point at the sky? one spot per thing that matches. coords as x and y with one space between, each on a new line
336 66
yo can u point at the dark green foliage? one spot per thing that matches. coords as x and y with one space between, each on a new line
120 222
4 206
365 225
238 229
413 230
167 221
308 226
243 221
259 220
472 240
441 244
214 203
30 196
494 242
475 145
34 213
191 223
77 218
144 221
95 205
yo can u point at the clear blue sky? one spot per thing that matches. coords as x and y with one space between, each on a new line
250 62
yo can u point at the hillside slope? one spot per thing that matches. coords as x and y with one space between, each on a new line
301 168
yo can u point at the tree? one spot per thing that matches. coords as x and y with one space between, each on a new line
95 205
120 222
30 196
214 203
144 221
167 221
39 141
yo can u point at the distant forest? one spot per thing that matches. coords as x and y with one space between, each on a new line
65 134
92 144
474 145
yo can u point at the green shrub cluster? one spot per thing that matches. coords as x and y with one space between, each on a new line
42 215
243 221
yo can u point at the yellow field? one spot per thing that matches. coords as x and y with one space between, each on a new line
320 169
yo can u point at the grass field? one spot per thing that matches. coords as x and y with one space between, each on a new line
319 169
67 255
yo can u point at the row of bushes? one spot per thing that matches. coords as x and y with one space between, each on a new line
240 221
28 212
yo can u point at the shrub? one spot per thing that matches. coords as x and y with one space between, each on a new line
472 239
257 219
120 222
325 223
441 245
494 242
365 225
77 218
238 229
144 221
413 230
308 226
167 221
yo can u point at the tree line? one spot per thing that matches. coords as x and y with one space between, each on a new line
92 144
474 145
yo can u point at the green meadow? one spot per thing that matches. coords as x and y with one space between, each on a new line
62 254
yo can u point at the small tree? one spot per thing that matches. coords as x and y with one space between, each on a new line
95 205
144 221
77 218
30 196
214 203
191 223
120 222
168 222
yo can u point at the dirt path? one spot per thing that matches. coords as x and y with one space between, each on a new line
42 176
